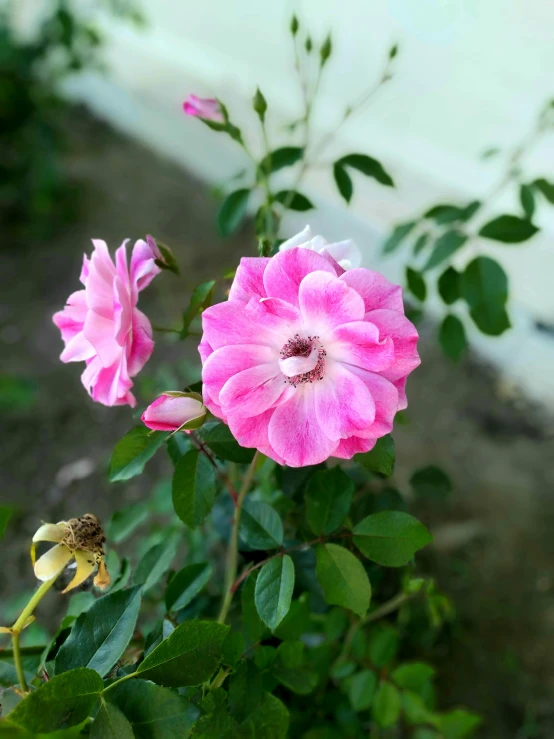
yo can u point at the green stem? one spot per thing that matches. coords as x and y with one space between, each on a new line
391 605
18 664
19 625
219 679
117 682
232 551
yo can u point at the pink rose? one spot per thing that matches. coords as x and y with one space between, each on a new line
346 253
173 410
207 108
306 361
102 326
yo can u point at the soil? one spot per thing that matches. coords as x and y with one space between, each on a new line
495 549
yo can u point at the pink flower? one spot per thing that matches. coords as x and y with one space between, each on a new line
173 410
346 253
102 326
306 361
206 108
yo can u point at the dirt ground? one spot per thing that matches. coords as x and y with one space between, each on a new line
495 543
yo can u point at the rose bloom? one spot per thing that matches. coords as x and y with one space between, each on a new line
102 326
346 253
207 108
172 410
306 361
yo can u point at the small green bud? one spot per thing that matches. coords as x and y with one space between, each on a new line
308 45
259 104
393 51
294 25
325 51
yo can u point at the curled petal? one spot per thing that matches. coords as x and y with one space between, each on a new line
376 290
248 282
286 270
85 567
52 562
50 532
326 302
404 335
343 404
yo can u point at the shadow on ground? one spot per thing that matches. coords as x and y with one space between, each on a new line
495 551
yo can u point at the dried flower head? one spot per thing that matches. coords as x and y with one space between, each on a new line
80 539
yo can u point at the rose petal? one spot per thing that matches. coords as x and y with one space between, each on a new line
295 433
86 565
52 562
376 290
252 391
404 335
358 343
326 301
343 404
228 361
287 269
248 282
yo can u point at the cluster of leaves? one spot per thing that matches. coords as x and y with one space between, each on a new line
257 182
446 230
152 658
32 182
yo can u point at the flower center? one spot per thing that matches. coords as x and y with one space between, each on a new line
85 533
302 360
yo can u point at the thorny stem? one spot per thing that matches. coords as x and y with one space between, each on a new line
391 605
222 476
117 682
232 551
295 547
20 624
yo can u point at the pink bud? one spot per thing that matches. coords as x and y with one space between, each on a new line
171 411
206 108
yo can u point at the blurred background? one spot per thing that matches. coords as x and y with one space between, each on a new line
94 143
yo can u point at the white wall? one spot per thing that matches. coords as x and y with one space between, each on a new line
470 74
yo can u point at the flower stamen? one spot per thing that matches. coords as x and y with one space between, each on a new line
308 360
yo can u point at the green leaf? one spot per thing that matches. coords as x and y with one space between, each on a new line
223 444
155 562
133 452
328 500
390 538
484 286
245 690
253 625
325 51
508 229
431 483
260 525
65 700
444 214
186 584
445 246
5 515
343 181
368 166
101 634
286 156
188 657
412 675
397 236
201 298
452 337
269 721
294 200
297 621
458 723
421 242
383 646
232 648
449 285
386 705
379 459
300 678
125 521
416 283
193 489
343 579
527 199
361 689
273 591
546 188
233 211
259 104
415 710
110 723
152 711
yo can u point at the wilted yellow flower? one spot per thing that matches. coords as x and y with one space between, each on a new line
80 539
